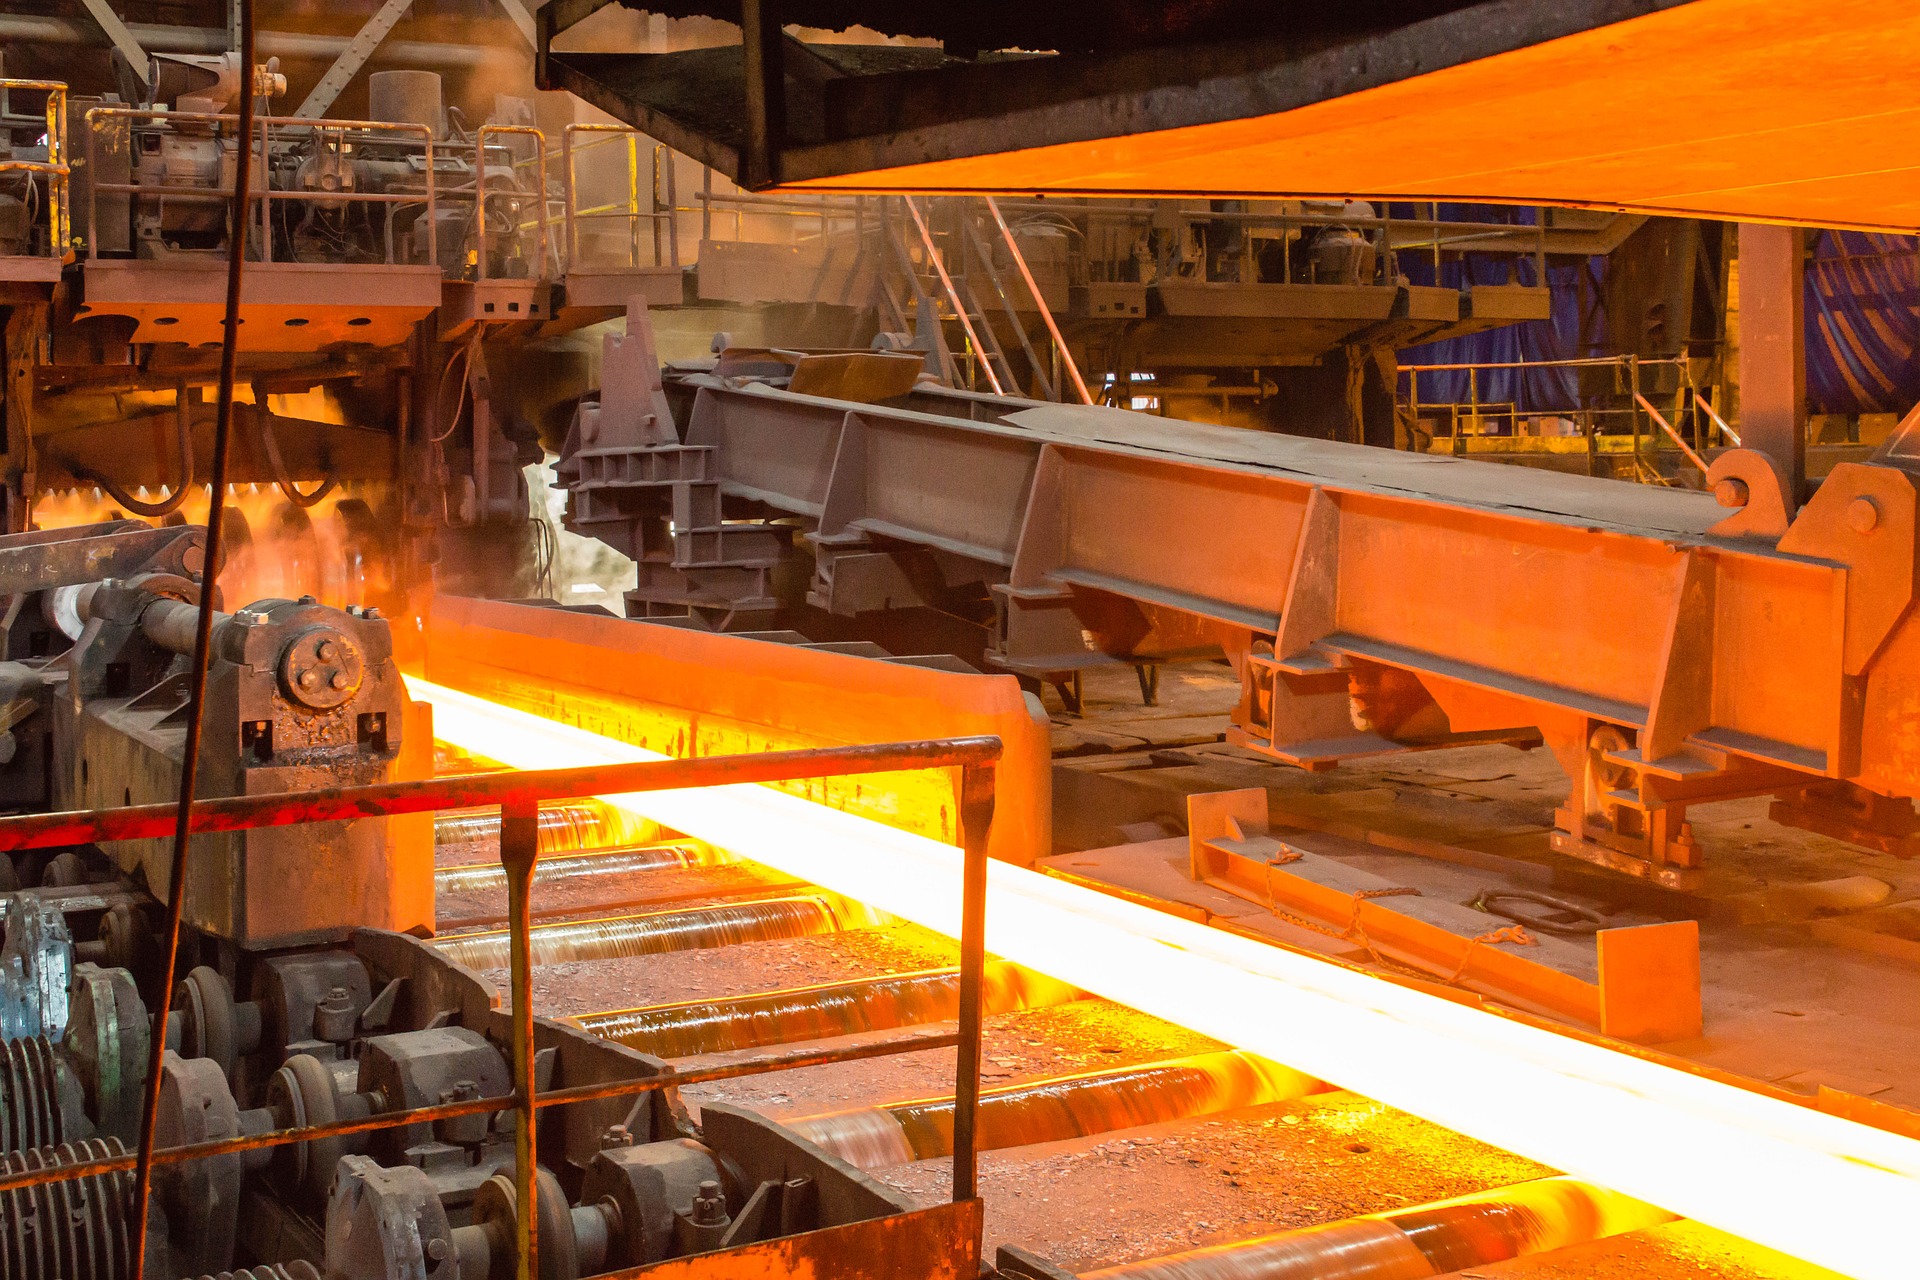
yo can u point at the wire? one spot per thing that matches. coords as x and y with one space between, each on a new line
465 356
263 418
1568 919
203 629
183 433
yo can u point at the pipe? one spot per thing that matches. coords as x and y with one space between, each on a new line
1057 1109
157 38
487 877
1424 1240
616 937
821 1012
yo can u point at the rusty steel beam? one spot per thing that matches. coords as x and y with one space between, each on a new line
52 29
1669 649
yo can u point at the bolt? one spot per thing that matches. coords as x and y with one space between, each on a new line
437 1248
1731 492
309 600
326 650
308 679
709 1206
615 1135
1863 515
339 680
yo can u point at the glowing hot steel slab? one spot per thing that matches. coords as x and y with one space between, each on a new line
1810 1185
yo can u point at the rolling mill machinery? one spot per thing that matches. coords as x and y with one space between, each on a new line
410 275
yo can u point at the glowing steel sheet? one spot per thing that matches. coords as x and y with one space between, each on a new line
1816 1187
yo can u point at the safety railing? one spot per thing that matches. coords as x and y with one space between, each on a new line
55 169
518 796
1284 237
538 197
266 195
1631 412
660 213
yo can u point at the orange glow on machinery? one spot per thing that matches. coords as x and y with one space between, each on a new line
1813 1186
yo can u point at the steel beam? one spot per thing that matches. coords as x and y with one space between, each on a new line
122 39
351 59
159 38
1727 659
1773 348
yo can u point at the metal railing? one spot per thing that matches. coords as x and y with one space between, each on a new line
265 195
538 197
1634 414
518 796
1432 237
660 212
55 168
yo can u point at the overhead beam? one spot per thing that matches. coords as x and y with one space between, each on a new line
351 59
24 28
522 21
122 39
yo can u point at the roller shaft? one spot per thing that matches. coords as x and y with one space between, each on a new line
1060 1108
484 877
819 1012
650 934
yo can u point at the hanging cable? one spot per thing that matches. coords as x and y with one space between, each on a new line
183 435
281 479
464 358
203 627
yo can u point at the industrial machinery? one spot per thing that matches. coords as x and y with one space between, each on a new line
386 1025
301 695
817 747
1331 576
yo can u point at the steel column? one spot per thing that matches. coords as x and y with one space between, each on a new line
1773 349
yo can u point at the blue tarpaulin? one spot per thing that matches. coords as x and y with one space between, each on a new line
1863 323
1862 317
1577 326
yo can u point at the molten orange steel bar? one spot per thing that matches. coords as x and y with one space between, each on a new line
1810 1185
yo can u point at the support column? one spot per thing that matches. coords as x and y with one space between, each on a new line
24 326
1773 348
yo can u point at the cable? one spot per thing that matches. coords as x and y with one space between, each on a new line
465 356
203 629
1568 919
183 433
263 418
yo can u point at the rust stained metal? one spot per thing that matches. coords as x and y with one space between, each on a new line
1642 984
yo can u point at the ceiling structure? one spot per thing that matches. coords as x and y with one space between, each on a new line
1758 110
